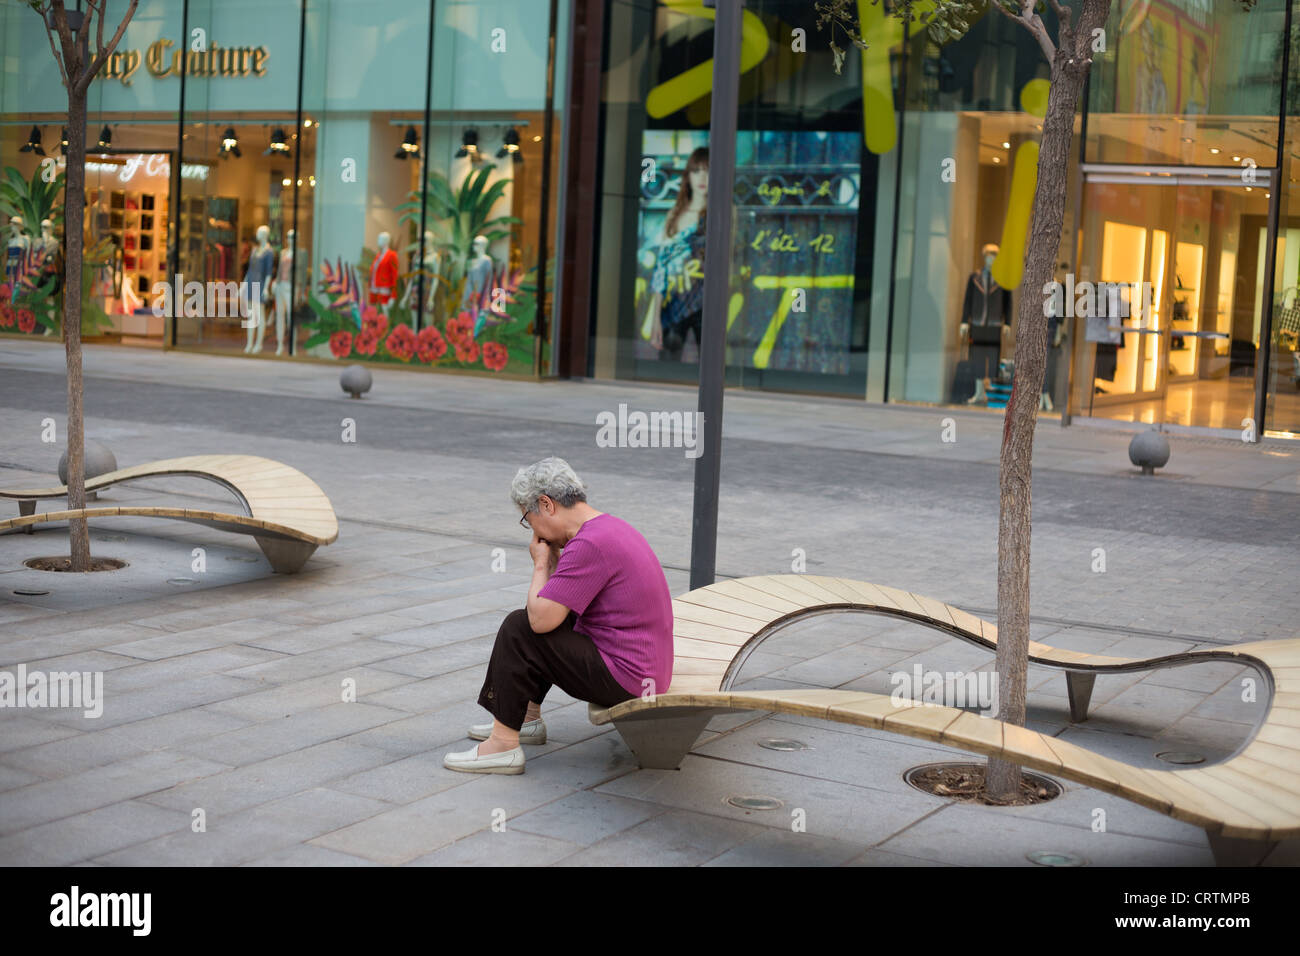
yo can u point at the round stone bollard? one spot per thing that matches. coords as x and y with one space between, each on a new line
98 460
355 380
1149 451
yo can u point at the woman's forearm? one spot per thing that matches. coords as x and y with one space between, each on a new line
543 614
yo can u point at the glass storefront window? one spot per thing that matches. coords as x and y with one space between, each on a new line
1189 82
345 178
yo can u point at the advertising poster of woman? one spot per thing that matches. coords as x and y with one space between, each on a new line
676 293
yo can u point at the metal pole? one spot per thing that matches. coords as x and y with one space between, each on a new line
424 174
898 201
717 279
292 330
1277 182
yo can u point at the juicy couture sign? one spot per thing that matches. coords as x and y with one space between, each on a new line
162 59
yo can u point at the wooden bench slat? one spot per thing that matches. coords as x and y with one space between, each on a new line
710 632
802 582
745 592
776 586
760 616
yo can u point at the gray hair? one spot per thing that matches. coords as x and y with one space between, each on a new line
551 477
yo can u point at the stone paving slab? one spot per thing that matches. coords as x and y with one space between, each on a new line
227 696
983 836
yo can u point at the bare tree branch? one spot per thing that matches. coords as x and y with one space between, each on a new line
60 15
1039 31
58 59
104 52
1062 12
83 33
1031 22
99 25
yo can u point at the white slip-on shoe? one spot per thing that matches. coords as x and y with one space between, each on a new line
469 761
532 732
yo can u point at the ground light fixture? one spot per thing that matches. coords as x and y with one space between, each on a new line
410 147
279 143
229 144
468 145
511 146
34 143
105 138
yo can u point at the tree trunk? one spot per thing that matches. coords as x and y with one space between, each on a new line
1002 781
74 213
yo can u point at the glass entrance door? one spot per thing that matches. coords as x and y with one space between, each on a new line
1188 248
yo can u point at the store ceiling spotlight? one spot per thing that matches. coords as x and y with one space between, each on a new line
511 147
105 138
410 148
468 145
34 143
229 144
278 143
63 142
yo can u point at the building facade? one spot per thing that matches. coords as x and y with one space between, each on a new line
882 209
357 180
882 202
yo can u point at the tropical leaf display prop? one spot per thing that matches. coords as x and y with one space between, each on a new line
32 201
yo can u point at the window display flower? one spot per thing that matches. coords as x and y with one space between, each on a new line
374 322
430 345
467 352
341 344
401 342
367 342
6 315
26 320
495 356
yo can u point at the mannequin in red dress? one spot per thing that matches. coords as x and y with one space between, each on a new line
383 275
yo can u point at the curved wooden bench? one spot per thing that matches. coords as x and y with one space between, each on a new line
1246 804
288 514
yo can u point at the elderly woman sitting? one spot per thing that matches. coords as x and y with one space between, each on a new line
599 620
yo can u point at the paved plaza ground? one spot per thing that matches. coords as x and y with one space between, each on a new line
222 686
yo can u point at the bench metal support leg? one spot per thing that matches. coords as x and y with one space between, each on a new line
1232 851
286 557
27 508
661 742
1079 687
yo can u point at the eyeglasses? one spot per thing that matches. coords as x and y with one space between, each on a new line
523 523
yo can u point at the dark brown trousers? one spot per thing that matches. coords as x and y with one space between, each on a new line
525 665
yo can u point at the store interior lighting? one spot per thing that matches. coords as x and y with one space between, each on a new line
105 138
34 143
468 145
63 141
410 147
511 147
279 143
229 144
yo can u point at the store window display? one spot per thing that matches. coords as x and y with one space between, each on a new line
985 321
383 275
257 288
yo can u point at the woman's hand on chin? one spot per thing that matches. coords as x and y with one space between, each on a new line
544 553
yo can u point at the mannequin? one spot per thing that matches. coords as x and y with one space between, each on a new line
257 282
283 291
985 320
383 275
432 273
478 276
15 248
